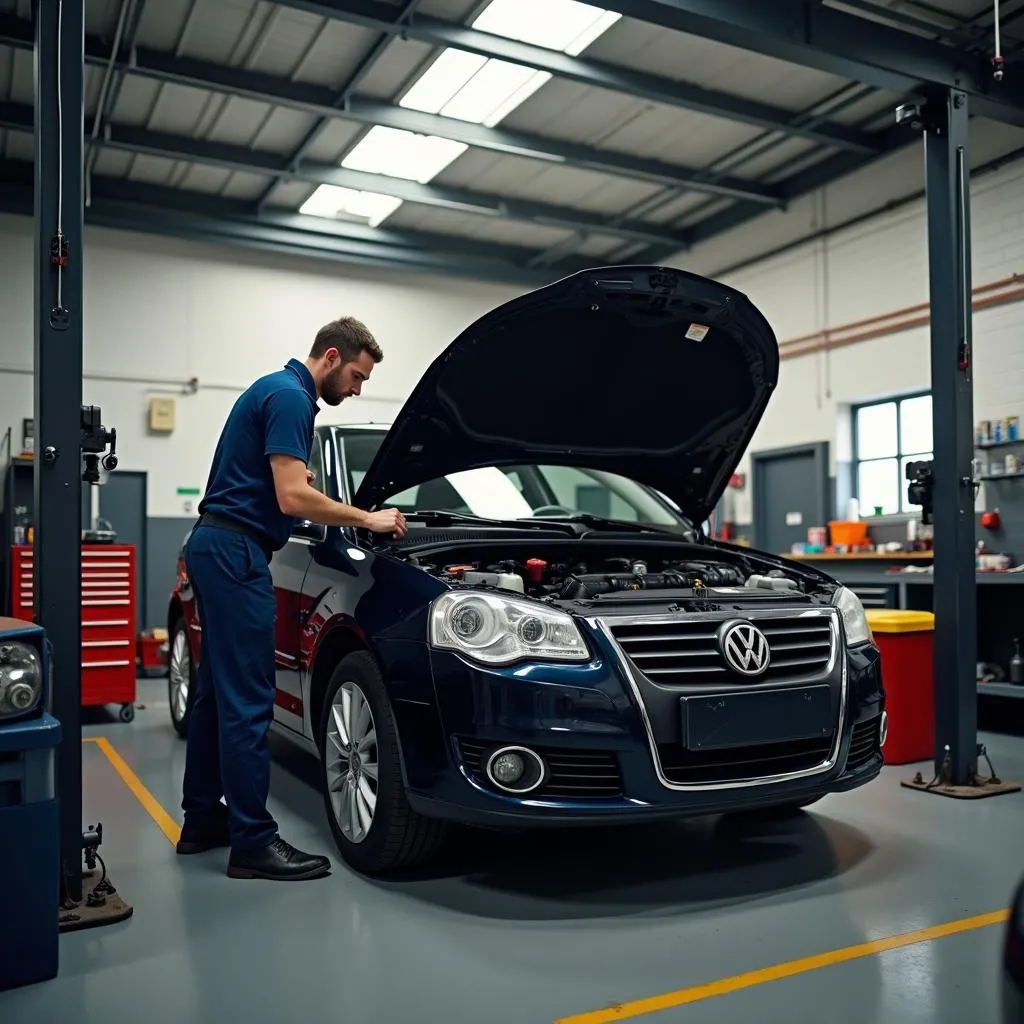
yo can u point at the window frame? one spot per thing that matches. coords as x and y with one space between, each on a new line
899 456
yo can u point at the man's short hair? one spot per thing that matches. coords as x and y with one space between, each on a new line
349 336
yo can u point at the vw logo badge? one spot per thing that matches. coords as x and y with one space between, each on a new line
745 648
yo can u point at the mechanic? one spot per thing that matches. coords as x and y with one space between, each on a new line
259 485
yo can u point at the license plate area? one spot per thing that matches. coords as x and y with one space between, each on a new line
725 720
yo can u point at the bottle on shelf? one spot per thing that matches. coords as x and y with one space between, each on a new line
1016 664
21 524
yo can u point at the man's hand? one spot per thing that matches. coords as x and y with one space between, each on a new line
310 477
387 520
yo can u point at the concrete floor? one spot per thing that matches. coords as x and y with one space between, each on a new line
531 930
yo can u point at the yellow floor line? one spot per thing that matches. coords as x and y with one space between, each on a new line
166 823
696 993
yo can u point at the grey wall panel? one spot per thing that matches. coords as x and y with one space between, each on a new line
164 537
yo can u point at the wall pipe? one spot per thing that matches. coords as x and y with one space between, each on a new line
826 340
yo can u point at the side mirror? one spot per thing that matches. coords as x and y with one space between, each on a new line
315 532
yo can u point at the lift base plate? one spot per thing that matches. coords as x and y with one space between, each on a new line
978 791
97 907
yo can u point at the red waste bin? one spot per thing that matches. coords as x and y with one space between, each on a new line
906 640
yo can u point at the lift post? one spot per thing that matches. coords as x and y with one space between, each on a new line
947 185
59 217
946 486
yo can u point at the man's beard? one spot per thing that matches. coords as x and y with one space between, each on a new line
330 392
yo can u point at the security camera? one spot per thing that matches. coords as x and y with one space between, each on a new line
921 487
912 116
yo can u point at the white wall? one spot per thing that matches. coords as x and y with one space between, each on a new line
163 312
875 269
158 313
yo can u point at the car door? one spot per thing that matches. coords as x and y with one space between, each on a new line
340 572
290 566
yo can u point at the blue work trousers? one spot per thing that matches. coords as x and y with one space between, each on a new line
228 752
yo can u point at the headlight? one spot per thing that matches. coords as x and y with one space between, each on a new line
499 631
854 620
21 679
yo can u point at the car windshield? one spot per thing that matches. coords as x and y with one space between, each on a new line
519 492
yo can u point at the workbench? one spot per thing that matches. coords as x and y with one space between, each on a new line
1000 601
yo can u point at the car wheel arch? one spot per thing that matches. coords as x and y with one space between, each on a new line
178 611
341 641
337 643
175 611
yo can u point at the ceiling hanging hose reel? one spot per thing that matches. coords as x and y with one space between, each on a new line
997 59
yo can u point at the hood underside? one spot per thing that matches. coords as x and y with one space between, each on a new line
650 372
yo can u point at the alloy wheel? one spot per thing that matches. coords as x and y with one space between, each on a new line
351 762
179 675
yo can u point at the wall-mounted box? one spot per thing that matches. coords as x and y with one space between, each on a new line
161 415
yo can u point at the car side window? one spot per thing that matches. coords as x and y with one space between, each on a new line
316 464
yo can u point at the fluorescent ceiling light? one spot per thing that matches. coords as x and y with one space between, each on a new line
388 151
468 87
565 25
336 203
473 88
496 90
442 80
403 154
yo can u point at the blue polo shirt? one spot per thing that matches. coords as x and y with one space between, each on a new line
274 416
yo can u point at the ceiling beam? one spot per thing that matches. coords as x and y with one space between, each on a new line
798 185
814 35
160 66
230 157
194 216
587 71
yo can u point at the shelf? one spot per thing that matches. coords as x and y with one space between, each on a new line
869 556
1006 578
1001 476
1000 690
998 444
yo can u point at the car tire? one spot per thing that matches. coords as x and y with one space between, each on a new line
396 837
181 679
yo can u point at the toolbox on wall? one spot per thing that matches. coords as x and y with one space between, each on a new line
109 629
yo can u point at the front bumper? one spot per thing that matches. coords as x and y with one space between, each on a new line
609 735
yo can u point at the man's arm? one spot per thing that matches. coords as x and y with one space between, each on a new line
297 498
289 425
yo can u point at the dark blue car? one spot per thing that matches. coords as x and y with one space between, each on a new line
557 641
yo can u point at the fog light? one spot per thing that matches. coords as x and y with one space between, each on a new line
508 769
883 729
516 769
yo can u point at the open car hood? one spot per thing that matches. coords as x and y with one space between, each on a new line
649 372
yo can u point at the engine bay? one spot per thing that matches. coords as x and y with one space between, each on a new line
584 574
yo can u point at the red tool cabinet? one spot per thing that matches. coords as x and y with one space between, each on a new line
108 594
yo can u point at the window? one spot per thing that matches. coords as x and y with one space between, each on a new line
516 492
886 437
316 464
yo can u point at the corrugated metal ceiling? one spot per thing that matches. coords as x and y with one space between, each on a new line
251 100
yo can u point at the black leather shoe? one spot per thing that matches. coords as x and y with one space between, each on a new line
279 862
208 834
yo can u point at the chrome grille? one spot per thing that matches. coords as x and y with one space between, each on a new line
686 650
